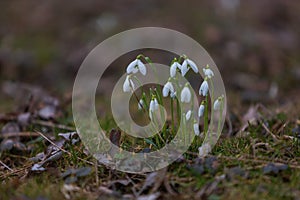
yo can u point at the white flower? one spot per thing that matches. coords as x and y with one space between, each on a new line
135 66
186 65
217 103
141 104
204 149
142 67
128 84
131 68
173 68
192 65
184 68
168 88
186 95
196 129
201 110
188 115
208 72
153 107
203 90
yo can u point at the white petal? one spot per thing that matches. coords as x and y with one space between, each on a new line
203 88
165 91
217 104
173 69
178 65
208 72
184 68
196 129
185 95
201 110
151 108
168 88
142 67
126 85
131 67
188 115
156 105
193 65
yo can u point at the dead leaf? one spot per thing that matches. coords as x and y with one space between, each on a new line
10 127
37 167
47 112
154 180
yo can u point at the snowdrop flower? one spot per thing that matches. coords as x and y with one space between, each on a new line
173 68
128 84
217 103
188 115
186 94
201 110
203 90
136 66
186 65
168 88
208 72
196 129
153 107
204 149
141 104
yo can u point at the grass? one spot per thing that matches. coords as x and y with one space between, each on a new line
188 178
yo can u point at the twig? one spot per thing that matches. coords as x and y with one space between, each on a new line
7 167
270 133
19 134
52 125
63 150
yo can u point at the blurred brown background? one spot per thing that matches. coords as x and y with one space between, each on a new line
255 44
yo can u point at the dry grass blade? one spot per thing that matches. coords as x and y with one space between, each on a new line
7 167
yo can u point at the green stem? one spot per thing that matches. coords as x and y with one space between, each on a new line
172 116
206 116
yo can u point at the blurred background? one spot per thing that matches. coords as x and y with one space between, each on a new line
255 44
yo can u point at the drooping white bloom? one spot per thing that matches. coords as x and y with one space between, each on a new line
141 104
201 110
188 115
142 67
184 68
217 103
131 68
186 95
196 129
153 107
208 72
168 88
186 65
203 90
128 84
204 150
192 65
173 68
135 66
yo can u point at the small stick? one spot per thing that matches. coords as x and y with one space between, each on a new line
7 167
268 131
52 125
63 150
19 134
